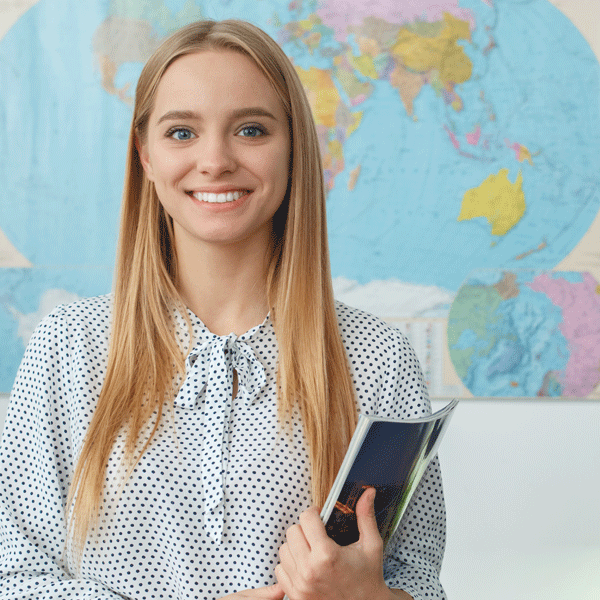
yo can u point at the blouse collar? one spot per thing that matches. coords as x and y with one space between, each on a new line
208 386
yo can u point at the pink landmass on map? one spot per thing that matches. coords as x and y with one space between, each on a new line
473 137
580 305
339 14
452 137
521 152
357 100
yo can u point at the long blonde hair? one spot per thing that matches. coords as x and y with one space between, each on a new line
313 372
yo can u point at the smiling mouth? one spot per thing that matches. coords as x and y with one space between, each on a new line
219 198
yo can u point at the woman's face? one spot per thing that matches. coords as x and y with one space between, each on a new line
217 149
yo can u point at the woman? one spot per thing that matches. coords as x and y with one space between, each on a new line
174 435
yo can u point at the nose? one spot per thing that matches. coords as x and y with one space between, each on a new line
215 155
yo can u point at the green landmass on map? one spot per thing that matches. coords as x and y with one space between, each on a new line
476 306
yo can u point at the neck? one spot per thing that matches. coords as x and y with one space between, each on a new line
225 285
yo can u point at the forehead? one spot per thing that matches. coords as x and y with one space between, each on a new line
214 79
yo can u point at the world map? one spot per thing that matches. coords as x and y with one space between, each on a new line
526 333
456 135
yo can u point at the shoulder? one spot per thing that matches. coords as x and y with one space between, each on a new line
85 318
65 356
362 329
84 311
386 372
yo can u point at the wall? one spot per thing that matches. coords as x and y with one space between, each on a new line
522 478
522 491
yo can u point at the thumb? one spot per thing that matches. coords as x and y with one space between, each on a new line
365 517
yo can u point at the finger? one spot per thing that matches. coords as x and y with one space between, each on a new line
284 581
313 528
274 592
297 543
287 560
367 523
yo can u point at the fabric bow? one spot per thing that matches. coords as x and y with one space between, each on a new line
209 382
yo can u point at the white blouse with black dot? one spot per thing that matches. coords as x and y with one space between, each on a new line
207 507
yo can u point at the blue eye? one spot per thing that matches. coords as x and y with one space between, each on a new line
180 133
252 131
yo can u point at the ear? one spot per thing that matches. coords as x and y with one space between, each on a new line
142 150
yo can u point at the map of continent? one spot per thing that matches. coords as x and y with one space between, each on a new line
501 202
456 135
527 333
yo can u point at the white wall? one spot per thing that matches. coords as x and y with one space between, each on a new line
522 483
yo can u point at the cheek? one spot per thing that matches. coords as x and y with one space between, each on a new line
279 168
168 170
164 161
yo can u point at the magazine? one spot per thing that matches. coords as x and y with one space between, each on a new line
390 455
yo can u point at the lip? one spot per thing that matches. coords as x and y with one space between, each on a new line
217 189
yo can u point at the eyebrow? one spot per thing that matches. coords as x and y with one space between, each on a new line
185 115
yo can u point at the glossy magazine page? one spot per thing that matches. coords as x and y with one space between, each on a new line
391 456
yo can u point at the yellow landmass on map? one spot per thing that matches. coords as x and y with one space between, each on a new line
353 178
336 150
440 53
322 94
356 119
335 122
326 101
524 154
501 202
351 84
364 64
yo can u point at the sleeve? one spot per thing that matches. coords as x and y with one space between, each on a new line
414 557
35 471
414 554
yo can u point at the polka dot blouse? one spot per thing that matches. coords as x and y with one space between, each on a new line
206 509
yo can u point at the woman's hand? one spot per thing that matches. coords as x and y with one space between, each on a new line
314 567
273 592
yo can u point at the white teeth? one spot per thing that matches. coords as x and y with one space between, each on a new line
210 197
